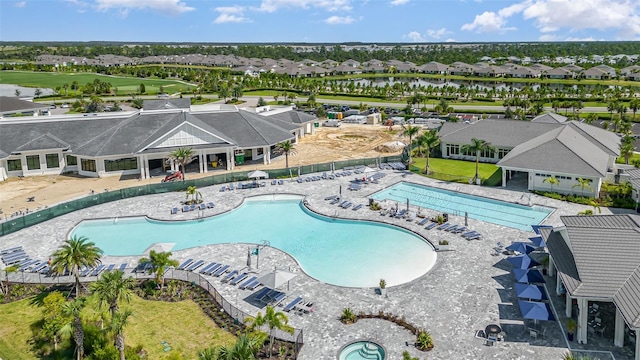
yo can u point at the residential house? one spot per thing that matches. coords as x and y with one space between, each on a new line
434 67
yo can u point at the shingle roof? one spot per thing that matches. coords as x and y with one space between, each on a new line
606 252
506 133
10 104
551 118
166 104
295 117
42 142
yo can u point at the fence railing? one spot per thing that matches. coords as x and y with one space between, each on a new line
172 274
16 223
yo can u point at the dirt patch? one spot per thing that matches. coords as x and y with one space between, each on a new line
351 141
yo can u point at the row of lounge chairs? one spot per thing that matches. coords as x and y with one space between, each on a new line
87 271
187 208
299 306
393 166
277 182
14 256
270 296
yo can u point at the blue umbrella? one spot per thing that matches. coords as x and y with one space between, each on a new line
528 276
535 310
537 241
521 247
522 261
536 228
534 292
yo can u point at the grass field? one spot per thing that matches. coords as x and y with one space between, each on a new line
455 170
182 324
125 85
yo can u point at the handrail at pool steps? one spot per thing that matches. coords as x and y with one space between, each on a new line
195 278
13 224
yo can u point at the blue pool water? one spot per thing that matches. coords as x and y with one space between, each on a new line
489 210
334 251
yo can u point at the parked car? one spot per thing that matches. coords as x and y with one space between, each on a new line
332 123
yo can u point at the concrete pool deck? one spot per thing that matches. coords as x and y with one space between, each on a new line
466 290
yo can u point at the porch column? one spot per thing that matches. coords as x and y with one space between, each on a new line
637 344
558 283
230 160
618 337
206 162
504 177
583 306
552 268
146 167
568 306
265 155
201 161
141 163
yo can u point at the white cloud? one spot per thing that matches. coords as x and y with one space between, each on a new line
398 2
450 40
437 33
590 38
164 6
414 36
328 5
548 37
339 20
20 4
553 15
230 18
230 9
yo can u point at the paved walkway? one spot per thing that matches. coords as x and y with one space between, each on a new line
466 290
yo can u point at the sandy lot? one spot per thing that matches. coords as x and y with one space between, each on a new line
327 144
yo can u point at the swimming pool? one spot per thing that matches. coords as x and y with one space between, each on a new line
334 251
485 209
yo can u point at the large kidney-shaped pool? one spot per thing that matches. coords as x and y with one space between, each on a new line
335 251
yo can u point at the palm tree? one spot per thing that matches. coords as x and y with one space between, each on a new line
552 180
159 263
410 131
194 194
245 348
430 140
287 148
112 288
75 253
118 323
274 320
8 270
626 150
634 105
477 146
183 156
584 184
72 310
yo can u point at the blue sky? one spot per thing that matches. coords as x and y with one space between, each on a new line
319 20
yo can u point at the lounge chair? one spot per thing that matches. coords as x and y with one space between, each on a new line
460 229
195 265
332 197
204 269
451 228
423 221
174 210
186 208
292 304
280 182
185 264
300 181
230 276
475 236
274 182
45 270
39 267
357 207
247 282
252 286
10 250
193 207
98 270
13 254
223 189
355 187
231 187
213 269
444 226
122 267
324 176
221 270
277 298
347 205
401 213
262 293
210 205
343 203
29 264
410 216
236 280
335 201
110 267
431 226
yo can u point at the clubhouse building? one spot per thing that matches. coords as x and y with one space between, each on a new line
138 143
546 146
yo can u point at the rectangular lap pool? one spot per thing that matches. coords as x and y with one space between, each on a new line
479 208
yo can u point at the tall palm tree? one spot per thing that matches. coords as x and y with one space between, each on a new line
194 194
584 184
118 322
72 310
552 180
159 261
627 149
8 270
288 148
429 140
184 157
410 131
634 105
274 320
112 288
476 147
75 253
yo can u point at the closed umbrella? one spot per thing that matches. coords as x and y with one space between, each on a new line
249 258
532 292
521 247
522 261
528 276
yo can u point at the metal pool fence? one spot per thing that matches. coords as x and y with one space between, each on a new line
20 222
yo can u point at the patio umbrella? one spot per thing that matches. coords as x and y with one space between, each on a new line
368 170
536 228
258 174
522 261
538 241
407 204
249 258
533 292
528 276
521 247
276 278
535 310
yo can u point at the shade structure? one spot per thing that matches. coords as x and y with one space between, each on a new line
521 247
527 291
257 174
536 228
528 276
368 170
276 278
522 261
538 241
535 310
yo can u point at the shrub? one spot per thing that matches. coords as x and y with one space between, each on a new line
443 242
424 341
348 316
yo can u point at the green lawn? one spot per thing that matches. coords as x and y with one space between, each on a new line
125 85
182 324
457 170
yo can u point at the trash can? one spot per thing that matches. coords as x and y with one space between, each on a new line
239 159
445 216
316 124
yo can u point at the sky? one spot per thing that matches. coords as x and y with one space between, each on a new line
313 21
